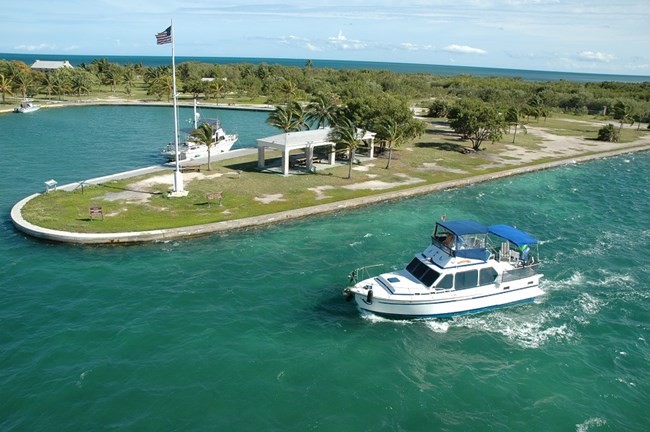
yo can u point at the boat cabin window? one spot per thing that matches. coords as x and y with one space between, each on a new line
422 272
467 279
430 277
446 282
487 276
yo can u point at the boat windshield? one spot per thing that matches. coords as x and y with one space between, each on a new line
465 240
422 272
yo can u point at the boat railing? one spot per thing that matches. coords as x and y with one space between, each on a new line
441 245
361 273
519 273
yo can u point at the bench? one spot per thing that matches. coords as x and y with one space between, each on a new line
196 168
96 211
214 196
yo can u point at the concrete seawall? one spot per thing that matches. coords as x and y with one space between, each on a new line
240 224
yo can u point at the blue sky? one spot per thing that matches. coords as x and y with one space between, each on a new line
594 36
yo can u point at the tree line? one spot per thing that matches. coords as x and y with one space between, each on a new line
277 83
370 99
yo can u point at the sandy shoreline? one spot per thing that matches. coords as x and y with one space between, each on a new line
114 101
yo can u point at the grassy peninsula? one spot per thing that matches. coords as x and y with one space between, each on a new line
464 126
141 203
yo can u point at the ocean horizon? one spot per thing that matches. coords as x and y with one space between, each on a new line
405 68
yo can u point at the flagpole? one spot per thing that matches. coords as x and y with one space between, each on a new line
178 175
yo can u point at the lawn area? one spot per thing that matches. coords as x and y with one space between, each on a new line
142 203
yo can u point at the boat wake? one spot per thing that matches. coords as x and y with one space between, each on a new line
591 423
371 317
434 324
521 330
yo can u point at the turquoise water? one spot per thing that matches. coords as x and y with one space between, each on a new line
444 70
249 331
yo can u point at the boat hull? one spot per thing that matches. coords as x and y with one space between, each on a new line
198 152
27 110
446 304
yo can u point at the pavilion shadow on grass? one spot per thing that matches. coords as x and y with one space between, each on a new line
308 141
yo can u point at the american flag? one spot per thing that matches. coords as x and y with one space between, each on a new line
164 37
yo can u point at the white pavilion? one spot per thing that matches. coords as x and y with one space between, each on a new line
305 140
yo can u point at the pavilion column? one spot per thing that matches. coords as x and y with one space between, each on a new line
285 161
261 157
372 148
332 160
309 154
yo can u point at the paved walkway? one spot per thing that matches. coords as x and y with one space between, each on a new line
192 231
155 168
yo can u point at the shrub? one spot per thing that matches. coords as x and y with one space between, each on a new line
608 133
439 109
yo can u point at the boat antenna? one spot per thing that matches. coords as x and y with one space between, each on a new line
196 116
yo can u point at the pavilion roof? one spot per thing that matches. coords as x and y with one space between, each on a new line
301 139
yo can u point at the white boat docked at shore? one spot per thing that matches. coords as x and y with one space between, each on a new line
191 149
467 268
27 106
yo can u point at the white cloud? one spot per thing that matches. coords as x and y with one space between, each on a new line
531 2
342 42
292 39
595 56
312 47
40 47
463 49
299 42
415 47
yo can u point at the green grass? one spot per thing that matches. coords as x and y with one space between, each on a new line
241 183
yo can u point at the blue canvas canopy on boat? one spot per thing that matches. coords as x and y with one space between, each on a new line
512 234
462 227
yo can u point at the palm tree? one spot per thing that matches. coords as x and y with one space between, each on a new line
346 134
514 117
298 116
49 81
280 118
61 82
538 107
289 89
128 78
204 135
112 75
288 118
216 87
623 113
5 86
165 85
23 82
101 66
321 112
81 81
391 133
